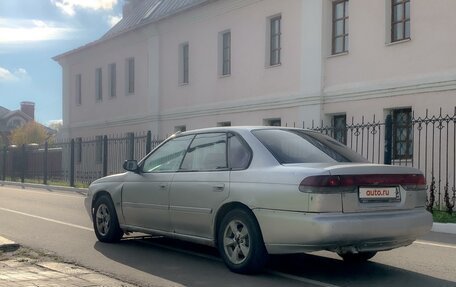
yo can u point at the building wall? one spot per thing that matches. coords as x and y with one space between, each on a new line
254 91
374 68
310 84
112 115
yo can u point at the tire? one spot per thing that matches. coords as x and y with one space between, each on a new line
105 222
357 257
240 243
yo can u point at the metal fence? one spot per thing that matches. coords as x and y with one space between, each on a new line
75 162
424 142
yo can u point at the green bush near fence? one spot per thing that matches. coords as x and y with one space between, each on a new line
444 217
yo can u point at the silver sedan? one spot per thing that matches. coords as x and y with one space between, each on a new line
254 191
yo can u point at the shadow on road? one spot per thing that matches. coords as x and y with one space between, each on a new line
184 263
195 265
337 272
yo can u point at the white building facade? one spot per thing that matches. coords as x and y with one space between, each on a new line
229 76
184 64
377 75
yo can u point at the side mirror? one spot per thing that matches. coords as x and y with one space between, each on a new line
131 165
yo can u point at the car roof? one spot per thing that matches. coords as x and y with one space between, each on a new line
234 129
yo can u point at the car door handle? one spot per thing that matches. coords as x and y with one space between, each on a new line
219 187
163 186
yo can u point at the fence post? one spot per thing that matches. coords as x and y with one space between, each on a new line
149 142
45 163
388 140
5 153
72 163
23 163
105 155
131 142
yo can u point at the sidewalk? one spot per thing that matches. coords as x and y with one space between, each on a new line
23 267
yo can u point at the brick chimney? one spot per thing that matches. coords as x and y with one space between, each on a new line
28 108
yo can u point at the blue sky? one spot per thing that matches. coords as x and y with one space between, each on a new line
34 31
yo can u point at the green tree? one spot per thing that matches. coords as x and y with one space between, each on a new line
31 132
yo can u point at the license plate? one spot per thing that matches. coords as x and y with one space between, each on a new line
379 194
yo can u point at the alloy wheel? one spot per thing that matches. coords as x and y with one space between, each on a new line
236 241
103 219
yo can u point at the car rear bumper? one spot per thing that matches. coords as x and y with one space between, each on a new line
293 232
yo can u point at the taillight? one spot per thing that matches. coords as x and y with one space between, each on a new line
326 184
323 182
415 182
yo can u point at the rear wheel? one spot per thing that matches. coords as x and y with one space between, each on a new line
240 243
105 222
357 257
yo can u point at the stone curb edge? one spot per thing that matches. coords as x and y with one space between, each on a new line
444 227
436 227
44 186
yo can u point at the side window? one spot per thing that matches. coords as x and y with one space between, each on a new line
169 156
207 152
238 153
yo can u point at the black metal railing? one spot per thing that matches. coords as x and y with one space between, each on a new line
74 162
400 138
425 142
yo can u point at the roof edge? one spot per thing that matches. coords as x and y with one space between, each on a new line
200 3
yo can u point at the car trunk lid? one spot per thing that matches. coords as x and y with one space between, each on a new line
370 187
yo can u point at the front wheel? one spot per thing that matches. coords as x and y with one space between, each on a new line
105 222
357 257
240 242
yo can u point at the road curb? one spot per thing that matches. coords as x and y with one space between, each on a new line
44 186
444 227
7 245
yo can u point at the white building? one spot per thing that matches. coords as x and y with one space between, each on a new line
102 96
186 64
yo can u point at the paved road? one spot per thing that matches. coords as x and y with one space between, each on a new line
56 221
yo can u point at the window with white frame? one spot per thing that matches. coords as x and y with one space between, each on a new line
98 85
224 124
130 76
339 26
400 20
112 80
275 40
340 128
78 90
180 129
274 122
402 134
225 53
184 64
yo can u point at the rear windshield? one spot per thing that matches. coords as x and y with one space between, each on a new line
299 146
